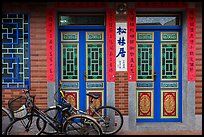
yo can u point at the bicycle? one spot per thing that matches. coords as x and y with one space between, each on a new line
104 114
75 124
7 114
6 118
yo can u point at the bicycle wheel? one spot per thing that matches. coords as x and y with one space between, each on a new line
53 112
110 119
25 126
6 118
82 125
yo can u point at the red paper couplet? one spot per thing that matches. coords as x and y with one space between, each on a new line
131 26
110 27
50 44
191 44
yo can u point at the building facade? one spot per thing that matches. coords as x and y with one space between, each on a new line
145 58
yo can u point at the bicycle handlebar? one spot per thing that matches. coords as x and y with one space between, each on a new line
29 100
26 92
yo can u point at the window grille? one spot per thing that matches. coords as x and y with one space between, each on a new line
158 19
15 51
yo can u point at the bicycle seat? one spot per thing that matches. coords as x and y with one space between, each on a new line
93 96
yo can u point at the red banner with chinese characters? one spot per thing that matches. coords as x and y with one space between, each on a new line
80 4
191 44
161 4
50 44
111 51
131 27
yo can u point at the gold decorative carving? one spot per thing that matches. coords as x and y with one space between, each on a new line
71 100
145 103
96 103
169 103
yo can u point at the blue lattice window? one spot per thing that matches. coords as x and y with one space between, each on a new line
15 51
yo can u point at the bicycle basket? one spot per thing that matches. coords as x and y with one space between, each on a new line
18 106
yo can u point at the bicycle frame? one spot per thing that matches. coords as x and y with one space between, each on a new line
75 109
44 116
81 111
47 118
55 124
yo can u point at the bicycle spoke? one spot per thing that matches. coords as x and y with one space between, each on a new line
75 126
24 126
6 119
110 119
82 125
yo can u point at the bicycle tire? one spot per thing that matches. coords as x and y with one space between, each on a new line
88 126
109 129
47 111
17 127
6 119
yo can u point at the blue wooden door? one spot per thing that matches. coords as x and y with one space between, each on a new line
159 76
82 65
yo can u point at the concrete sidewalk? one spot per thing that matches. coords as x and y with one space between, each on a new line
196 132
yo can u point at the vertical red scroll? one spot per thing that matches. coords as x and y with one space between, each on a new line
161 4
50 44
191 44
111 57
131 26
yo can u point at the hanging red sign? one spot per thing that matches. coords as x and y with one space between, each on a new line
50 44
161 4
191 44
80 4
111 51
131 29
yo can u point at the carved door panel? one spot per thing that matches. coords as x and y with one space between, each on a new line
158 81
